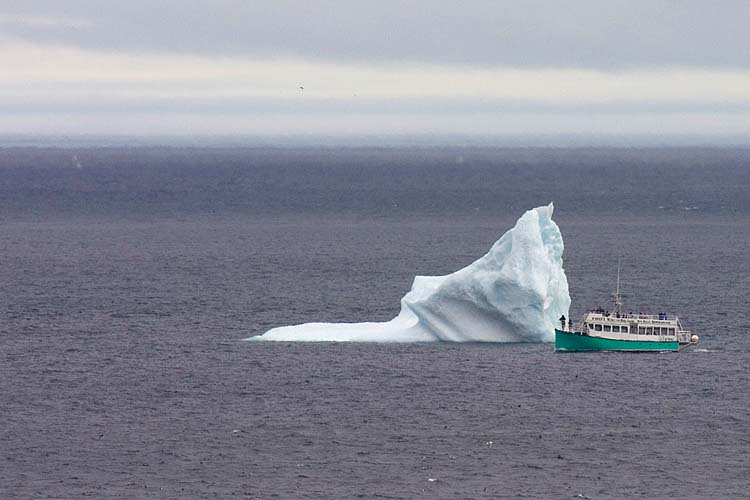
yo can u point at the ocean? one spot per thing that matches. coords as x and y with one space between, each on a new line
129 276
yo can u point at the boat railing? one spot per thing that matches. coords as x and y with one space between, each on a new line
683 336
659 316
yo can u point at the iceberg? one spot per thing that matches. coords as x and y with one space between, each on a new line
515 293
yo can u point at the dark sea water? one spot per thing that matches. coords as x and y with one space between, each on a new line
128 276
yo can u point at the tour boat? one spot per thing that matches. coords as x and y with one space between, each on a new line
602 330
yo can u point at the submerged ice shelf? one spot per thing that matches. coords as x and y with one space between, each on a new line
515 293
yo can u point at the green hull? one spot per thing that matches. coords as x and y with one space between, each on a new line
568 341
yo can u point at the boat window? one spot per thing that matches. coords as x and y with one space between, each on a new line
607 328
615 328
598 327
671 331
649 330
624 329
591 326
641 330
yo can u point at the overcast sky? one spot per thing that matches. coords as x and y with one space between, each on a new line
375 67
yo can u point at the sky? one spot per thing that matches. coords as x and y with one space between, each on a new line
386 67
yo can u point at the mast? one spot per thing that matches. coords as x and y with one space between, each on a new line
617 296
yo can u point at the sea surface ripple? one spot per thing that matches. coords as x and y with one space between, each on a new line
126 284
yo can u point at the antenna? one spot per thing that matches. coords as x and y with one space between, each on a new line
617 296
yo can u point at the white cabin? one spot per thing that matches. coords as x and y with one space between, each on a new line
644 327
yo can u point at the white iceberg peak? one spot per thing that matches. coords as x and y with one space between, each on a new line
514 293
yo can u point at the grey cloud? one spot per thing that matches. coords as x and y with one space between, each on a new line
577 33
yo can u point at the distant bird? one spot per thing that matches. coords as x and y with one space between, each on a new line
301 87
